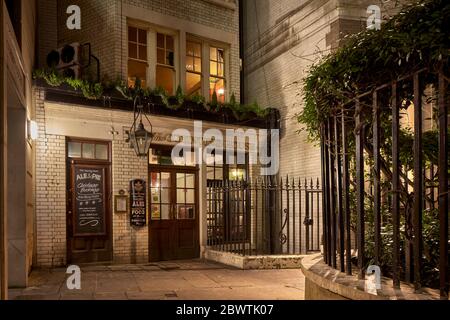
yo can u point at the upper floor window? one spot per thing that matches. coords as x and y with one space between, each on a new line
165 66
193 68
217 73
137 56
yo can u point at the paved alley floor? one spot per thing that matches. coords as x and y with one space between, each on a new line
184 280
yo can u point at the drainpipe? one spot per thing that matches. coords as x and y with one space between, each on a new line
241 50
273 217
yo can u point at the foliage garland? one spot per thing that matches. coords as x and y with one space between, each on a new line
95 91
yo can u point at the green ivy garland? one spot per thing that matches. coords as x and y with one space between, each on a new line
95 91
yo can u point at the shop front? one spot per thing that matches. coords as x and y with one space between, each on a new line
98 202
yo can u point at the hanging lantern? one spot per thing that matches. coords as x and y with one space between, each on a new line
140 139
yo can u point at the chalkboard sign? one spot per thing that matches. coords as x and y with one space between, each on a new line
138 207
89 201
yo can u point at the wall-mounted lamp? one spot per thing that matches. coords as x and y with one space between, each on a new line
33 130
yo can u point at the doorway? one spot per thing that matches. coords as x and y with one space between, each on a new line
89 230
174 216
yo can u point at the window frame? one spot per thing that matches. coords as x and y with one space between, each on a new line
202 63
152 50
147 70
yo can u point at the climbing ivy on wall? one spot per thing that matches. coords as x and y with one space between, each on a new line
419 36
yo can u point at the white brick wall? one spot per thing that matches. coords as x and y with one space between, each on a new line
130 244
50 193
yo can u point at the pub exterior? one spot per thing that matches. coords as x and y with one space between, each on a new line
96 200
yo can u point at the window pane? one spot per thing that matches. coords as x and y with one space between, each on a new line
181 195
190 196
154 180
143 53
213 68
88 151
165 195
190 48
220 71
165 78
189 63
160 41
155 195
198 65
142 36
74 150
132 50
185 212
101 152
190 181
155 212
181 180
170 61
165 212
217 85
198 50
170 43
213 54
132 34
137 70
165 180
161 56
193 83
220 55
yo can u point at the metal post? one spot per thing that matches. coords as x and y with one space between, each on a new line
346 190
395 186
376 178
443 188
359 132
339 195
418 181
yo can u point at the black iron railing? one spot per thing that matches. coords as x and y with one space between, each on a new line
265 217
386 181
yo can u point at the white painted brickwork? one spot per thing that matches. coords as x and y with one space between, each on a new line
50 193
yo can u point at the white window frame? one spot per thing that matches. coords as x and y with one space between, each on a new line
152 51
206 72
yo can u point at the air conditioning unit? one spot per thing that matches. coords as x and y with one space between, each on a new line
67 60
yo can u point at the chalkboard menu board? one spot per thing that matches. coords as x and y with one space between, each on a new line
138 217
89 201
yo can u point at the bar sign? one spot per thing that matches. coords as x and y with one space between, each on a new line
138 205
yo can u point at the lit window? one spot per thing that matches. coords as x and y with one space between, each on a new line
193 68
217 73
165 66
137 56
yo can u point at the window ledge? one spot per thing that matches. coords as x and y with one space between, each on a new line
229 4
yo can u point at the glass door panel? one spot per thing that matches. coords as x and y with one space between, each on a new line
160 195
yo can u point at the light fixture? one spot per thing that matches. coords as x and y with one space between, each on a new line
221 91
33 130
140 139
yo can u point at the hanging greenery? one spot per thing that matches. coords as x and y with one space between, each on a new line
95 91
419 36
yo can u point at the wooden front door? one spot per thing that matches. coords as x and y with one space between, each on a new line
89 202
174 222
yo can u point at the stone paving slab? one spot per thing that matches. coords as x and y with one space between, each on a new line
178 280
